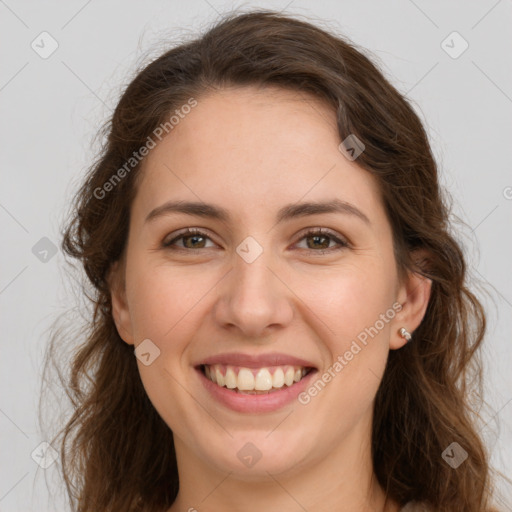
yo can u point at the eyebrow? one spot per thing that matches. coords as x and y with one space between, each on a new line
288 212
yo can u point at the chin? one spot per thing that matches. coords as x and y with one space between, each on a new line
251 457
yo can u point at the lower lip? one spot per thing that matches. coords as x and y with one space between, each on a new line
267 402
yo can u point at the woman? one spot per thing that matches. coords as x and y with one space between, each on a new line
281 315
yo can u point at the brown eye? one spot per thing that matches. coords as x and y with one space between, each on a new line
318 241
192 239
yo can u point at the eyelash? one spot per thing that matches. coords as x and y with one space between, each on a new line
312 232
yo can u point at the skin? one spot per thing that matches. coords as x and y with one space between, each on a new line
244 148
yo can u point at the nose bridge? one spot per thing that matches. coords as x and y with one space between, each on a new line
253 279
253 298
251 274
253 284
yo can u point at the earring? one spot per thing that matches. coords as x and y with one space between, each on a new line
405 334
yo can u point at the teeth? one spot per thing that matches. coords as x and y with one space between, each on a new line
288 376
263 380
245 380
278 378
251 380
219 377
231 380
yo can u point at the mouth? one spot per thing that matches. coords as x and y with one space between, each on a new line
254 381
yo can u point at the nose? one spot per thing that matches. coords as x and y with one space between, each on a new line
254 300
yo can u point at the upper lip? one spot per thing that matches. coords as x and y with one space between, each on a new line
256 361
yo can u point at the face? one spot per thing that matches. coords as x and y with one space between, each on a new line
265 290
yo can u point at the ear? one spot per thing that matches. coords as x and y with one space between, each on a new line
413 295
120 310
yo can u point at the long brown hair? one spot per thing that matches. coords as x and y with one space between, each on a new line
117 453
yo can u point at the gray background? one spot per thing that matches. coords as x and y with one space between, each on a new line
52 108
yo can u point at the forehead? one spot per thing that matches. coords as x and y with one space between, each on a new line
248 148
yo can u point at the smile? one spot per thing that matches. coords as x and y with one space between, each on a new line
254 388
263 380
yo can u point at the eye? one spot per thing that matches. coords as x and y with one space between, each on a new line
193 238
321 239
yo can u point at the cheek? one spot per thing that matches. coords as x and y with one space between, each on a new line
163 307
162 300
353 310
348 299
350 303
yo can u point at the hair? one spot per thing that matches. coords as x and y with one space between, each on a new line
117 453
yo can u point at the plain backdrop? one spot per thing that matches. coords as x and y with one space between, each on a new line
52 105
